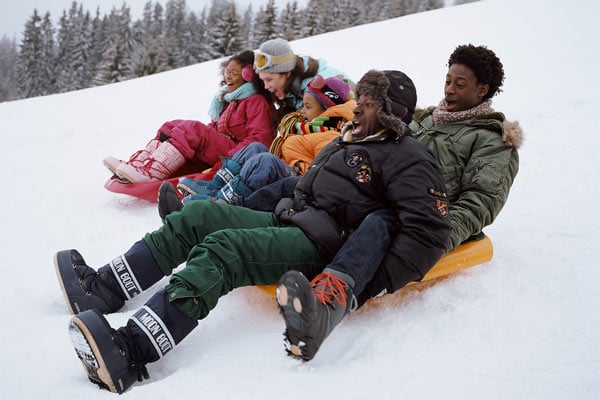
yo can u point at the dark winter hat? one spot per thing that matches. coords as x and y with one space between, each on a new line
402 93
329 92
395 91
274 55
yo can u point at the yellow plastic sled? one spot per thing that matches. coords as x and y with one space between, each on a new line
464 256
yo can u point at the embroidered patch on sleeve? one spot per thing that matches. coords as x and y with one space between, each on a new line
441 203
442 208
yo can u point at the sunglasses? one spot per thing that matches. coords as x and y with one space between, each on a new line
264 60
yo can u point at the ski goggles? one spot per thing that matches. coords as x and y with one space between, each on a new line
323 93
263 60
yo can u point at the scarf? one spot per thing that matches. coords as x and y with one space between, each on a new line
442 116
216 106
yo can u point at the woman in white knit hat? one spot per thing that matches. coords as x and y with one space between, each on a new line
286 75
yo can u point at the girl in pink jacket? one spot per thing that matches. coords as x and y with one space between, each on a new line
240 114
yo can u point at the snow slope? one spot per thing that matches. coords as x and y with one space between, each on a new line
524 326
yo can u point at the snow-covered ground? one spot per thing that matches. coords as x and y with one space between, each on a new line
524 326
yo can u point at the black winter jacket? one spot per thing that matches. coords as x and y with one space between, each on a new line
349 180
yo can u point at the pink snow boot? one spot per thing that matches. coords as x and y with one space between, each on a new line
136 159
163 162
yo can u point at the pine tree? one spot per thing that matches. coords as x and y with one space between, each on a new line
329 17
291 22
351 17
225 35
174 32
116 64
266 24
32 71
311 19
150 55
98 43
74 47
428 5
192 40
246 27
47 62
202 47
8 69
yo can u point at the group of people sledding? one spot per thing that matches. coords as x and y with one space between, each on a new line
356 195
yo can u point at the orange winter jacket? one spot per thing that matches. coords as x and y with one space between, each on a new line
299 150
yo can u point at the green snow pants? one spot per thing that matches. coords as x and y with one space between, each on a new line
226 247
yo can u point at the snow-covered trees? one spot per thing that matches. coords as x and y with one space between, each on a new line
36 59
8 69
85 51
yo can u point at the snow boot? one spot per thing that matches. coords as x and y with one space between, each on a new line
168 200
136 159
312 310
116 359
227 172
234 189
163 162
106 289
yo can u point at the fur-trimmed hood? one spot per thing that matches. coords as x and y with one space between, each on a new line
512 134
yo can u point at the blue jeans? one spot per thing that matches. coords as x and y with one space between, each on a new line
264 168
267 197
365 248
249 151
259 168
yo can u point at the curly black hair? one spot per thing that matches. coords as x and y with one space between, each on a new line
484 63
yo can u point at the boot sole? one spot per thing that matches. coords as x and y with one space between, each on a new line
185 190
125 178
88 351
109 166
292 291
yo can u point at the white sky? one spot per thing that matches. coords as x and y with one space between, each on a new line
15 13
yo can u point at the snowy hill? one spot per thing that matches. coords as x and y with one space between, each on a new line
524 326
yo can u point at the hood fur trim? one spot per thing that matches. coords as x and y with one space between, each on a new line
512 134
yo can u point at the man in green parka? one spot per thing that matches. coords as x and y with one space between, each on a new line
477 150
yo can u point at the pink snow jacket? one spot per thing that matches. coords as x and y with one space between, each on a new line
248 121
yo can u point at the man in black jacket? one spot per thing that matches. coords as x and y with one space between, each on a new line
393 182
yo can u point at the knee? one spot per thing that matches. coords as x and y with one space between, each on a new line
264 161
381 222
249 152
257 147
